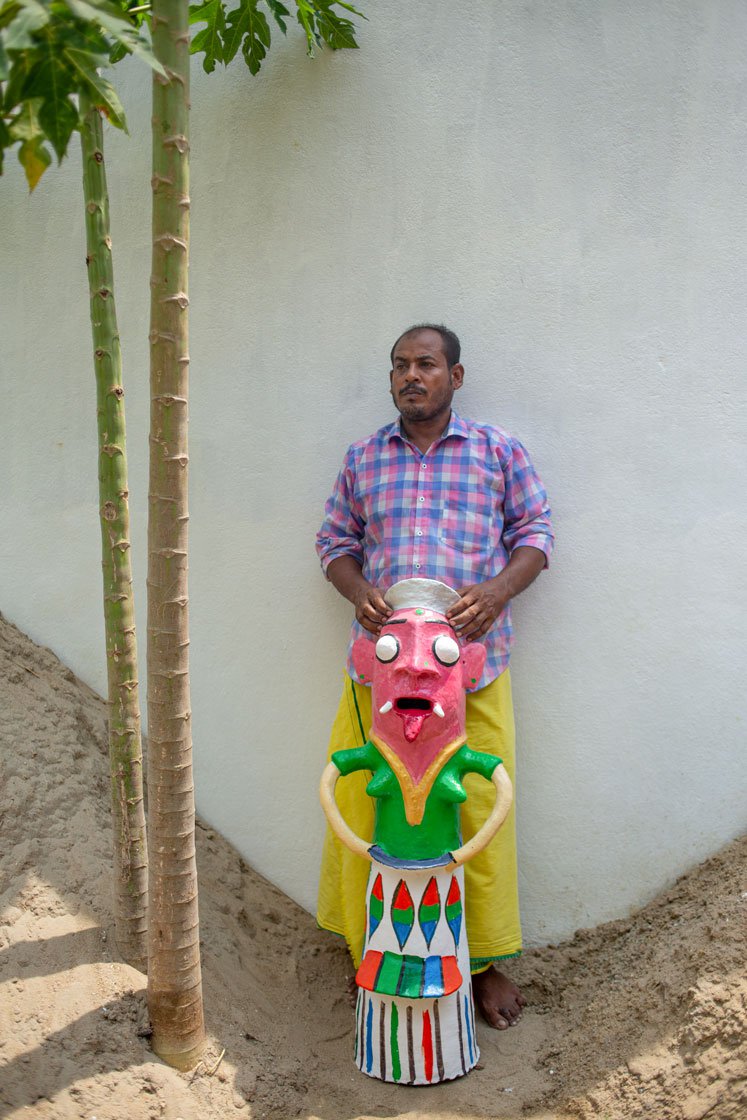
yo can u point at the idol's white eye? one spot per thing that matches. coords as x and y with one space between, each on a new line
387 648
446 650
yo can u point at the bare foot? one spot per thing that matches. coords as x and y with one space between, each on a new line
497 999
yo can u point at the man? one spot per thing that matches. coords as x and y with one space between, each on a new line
444 498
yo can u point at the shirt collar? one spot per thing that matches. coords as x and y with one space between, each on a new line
455 427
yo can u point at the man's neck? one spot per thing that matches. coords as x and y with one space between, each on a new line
425 432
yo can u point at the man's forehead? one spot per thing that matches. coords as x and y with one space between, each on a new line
427 342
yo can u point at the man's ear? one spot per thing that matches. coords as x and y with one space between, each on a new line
363 659
457 375
473 663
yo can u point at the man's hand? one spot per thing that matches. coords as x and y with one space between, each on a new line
370 608
481 603
478 608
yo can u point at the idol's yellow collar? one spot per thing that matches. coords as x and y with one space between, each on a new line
415 795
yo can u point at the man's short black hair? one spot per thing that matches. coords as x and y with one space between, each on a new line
452 345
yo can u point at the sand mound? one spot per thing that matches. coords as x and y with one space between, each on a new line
642 1017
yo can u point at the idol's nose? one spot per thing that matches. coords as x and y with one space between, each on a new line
417 666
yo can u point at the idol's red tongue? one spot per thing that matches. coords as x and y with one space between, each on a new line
413 722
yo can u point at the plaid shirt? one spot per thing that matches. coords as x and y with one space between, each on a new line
454 513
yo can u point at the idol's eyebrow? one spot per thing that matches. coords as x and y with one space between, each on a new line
438 622
395 622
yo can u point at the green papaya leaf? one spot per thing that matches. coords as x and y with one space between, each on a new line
19 72
323 25
50 81
35 159
337 32
249 29
115 24
25 125
102 93
305 15
49 77
4 60
209 39
279 12
347 7
5 141
19 31
58 118
8 12
197 11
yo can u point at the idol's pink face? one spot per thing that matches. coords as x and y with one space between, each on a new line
418 672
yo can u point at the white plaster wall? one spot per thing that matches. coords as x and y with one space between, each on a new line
564 184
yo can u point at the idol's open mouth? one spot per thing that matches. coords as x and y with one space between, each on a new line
413 703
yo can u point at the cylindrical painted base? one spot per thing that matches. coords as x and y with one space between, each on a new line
415 1042
415 1020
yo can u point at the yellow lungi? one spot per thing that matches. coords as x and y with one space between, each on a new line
491 888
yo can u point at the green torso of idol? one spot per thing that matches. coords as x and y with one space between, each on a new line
439 831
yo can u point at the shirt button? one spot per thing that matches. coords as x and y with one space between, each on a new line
421 499
417 565
418 532
422 466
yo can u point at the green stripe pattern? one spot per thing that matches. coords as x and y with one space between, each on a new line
394 1028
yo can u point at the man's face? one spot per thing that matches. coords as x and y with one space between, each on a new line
422 384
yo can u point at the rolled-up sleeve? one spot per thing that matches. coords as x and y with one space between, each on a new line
343 528
527 519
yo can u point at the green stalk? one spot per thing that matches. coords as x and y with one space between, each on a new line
174 974
125 748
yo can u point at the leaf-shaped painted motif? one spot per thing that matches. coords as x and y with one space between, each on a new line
375 906
429 911
454 909
403 913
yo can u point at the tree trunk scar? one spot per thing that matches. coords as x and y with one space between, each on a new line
168 240
177 141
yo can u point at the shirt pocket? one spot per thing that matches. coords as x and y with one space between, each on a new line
468 526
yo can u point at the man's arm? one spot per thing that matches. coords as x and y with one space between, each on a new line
481 603
339 544
370 609
527 535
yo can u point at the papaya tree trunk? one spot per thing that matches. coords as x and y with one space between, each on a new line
125 748
174 974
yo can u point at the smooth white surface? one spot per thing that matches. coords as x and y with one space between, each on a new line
564 185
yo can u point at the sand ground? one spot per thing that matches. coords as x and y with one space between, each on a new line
643 1017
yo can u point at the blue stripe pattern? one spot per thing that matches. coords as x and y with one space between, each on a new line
469 1031
369 1037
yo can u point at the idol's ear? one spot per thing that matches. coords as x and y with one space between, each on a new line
473 663
363 659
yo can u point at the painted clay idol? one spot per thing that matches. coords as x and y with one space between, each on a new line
414 1015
